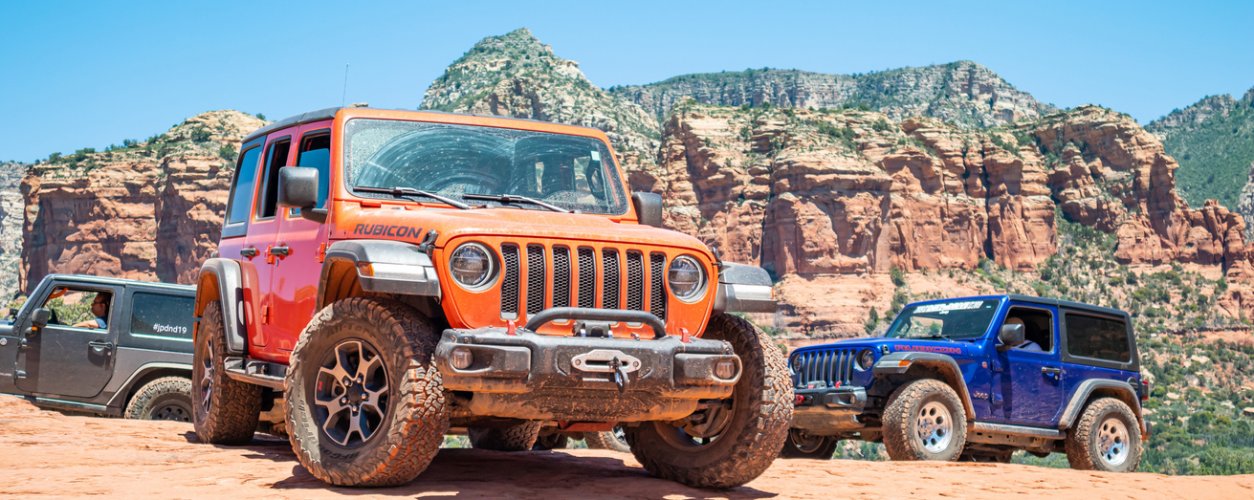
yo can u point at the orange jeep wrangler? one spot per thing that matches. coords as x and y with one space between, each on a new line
384 276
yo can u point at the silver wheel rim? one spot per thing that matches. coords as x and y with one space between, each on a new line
620 435
206 378
804 442
935 427
1112 442
350 393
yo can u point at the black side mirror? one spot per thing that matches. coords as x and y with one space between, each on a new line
41 317
1010 336
298 188
648 208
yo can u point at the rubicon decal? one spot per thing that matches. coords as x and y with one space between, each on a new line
392 231
928 348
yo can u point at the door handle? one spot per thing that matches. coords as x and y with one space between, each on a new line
280 251
1051 372
248 252
99 347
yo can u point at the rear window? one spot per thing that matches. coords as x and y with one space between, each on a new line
242 191
162 316
1098 338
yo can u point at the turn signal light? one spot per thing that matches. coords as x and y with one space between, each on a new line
462 358
725 369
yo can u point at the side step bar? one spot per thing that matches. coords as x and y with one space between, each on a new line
1019 430
251 371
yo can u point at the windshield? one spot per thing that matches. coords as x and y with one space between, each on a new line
571 172
961 319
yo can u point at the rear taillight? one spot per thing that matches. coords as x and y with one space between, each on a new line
1145 389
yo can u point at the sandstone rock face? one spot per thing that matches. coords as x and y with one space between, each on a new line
150 211
11 214
1113 175
812 193
962 92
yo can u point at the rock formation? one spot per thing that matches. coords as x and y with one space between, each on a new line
148 211
962 92
516 75
11 174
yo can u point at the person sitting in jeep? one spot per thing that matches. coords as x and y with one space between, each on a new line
99 311
1027 344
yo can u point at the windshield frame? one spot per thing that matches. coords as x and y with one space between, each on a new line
999 304
610 160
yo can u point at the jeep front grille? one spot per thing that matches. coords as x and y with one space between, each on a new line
509 285
551 272
828 366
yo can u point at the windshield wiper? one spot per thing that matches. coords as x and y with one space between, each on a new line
405 192
513 198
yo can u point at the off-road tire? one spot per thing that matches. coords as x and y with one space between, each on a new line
165 398
233 407
1081 443
755 432
553 441
989 457
411 429
520 436
900 421
606 441
823 451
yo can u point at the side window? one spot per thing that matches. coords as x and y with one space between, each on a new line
1097 338
315 152
276 158
79 308
1038 326
162 315
242 190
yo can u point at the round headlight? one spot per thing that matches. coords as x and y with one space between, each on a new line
686 278
866 359
472 266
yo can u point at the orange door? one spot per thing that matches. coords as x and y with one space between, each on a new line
294 283
258 245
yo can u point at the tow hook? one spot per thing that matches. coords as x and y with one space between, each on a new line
620 374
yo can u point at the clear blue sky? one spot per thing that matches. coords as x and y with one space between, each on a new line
88 74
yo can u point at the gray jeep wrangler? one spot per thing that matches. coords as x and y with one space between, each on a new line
102 346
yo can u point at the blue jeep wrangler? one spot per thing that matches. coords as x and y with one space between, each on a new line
978 378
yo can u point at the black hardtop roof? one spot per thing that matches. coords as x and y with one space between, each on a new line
103 280
1080 306
329 113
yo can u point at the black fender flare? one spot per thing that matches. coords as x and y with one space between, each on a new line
222 279
382 266
898 363
1083 393
744 288
144 373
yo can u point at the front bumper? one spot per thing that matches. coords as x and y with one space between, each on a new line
828 411
530 376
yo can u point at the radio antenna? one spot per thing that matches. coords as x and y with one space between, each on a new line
344 93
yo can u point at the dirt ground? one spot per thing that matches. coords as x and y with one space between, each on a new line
46 453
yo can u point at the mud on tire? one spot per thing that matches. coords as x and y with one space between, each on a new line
755 428
1107 438
520 436
165 398
365 402
924 420
224 411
